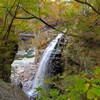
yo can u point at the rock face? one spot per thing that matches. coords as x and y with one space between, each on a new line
11 92
55 62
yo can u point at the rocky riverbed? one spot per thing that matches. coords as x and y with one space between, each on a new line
23 72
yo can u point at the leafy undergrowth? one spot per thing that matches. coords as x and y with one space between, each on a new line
74 87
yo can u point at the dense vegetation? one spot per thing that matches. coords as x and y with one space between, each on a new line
80 19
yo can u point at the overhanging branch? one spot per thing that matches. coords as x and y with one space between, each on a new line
88 4
32 16
7 15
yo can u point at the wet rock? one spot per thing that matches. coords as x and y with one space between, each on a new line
27 85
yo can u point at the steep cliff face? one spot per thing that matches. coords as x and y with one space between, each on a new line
11 92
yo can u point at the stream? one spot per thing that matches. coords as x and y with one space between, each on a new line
25 67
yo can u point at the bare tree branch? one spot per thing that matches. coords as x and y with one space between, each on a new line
20 17
88 4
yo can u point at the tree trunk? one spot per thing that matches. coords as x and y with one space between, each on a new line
8 53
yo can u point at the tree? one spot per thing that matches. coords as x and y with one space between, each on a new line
15 13
11 12
8 44
96 3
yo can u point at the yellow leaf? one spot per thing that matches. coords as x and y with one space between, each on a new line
76 5
1 4
90 94
97 73
87 86
18 15
86 79
95 98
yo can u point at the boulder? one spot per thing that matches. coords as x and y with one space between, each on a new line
9 91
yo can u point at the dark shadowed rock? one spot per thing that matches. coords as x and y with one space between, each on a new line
11 92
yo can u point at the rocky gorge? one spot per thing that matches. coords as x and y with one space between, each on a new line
23 72
24 67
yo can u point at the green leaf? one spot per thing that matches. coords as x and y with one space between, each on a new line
95 81
62 97
79 85
74 95
96 91
54 93
39 89
84 74
97 71
90 94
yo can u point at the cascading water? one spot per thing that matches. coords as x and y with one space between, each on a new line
38 80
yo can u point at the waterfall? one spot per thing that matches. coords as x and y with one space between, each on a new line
38 80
